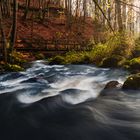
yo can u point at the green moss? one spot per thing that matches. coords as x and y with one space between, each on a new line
110 54
17 58
94 56
77 58
39 56
132 82
100 52
133 63
15 68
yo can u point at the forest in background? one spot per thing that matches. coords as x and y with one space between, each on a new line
109 30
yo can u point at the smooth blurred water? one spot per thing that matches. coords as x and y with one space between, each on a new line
74 83
66 103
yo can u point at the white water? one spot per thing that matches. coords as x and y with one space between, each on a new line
63 113
74 83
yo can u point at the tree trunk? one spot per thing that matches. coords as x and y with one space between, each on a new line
27 8
14 27
119 16
3 39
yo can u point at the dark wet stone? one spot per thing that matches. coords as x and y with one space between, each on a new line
132 82
112 85
111 88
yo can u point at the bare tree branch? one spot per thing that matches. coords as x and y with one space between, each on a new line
109 24
132 5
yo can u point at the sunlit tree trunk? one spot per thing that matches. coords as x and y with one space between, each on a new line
85 8
119 17
124 14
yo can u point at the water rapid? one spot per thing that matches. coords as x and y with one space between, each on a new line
63 102
74 83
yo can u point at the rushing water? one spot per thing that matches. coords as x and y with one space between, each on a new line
74 83
64 103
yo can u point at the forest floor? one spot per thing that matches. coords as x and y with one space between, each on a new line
51 28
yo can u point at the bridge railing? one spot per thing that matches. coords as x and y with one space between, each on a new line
50 45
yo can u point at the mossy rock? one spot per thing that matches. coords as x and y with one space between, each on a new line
113 61
39 56
13 68
58 60
132 82
17 58
19 61
133 64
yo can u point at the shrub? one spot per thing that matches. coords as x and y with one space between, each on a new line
99 52
122 44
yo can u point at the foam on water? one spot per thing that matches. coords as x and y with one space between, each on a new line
63 103
48 81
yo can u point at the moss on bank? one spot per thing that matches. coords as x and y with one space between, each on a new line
94 56
10 67
13 68
15 64
116 52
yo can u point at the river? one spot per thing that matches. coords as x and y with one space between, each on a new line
63 102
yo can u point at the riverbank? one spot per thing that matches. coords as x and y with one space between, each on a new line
100 59
116 52
111 54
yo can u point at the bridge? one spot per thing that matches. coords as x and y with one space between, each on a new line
49 46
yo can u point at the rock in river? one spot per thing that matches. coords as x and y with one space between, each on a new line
132 82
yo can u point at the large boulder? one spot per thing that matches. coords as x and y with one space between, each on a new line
113 61
132 82
112 85
111 88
